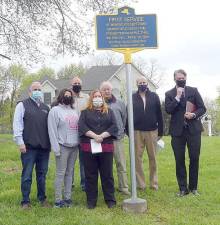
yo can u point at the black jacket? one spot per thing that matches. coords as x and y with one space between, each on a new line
178 109
97 122
150 118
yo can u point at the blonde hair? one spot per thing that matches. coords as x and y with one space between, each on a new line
104 107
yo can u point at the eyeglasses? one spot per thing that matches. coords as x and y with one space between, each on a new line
36 89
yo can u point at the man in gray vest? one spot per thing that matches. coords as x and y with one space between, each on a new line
31 135
80 103
119 109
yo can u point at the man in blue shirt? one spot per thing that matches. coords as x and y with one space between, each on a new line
31 135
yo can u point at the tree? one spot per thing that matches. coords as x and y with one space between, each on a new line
4 84
217 103
16 74
10 82
153 70
46 71
71 70
29 29
105 58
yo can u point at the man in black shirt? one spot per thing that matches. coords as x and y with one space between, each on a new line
148 128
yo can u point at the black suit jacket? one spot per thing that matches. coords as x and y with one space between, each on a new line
178 109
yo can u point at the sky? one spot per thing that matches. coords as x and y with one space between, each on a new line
189 38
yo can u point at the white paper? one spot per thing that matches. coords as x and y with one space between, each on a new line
160 145
95 146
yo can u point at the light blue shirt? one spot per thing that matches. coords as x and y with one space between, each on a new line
18 123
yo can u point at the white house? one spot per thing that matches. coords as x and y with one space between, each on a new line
92 79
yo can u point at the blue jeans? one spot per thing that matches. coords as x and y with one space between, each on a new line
39 158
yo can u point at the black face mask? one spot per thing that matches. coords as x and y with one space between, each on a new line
142 88
76 88
181 83
67 100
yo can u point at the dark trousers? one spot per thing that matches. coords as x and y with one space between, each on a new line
99 163
39 158
81 167
193 143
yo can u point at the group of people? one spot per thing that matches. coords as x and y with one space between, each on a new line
94 127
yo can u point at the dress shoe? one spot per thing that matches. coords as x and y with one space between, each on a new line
90 206
195 192
111 204
45 204
182 193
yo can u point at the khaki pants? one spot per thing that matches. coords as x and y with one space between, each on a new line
120 161
146 139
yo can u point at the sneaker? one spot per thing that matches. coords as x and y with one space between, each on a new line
125 192
195 192
59 204
68 203
154 188
26 206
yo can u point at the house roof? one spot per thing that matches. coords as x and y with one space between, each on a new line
91 79
97 74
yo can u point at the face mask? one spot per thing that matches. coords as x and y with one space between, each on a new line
37 95
67 100
97 102
77 88
181 83
142 87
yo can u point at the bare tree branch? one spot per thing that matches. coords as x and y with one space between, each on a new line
4 56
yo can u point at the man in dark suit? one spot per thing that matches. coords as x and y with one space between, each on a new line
186 106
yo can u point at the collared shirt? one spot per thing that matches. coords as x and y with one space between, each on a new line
81 101
18 123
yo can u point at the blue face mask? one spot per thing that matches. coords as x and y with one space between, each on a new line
37 95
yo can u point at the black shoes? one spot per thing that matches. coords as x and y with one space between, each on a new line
91 205
182 193
111 204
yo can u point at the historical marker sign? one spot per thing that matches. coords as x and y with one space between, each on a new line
126 30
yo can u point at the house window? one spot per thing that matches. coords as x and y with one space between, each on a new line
47 98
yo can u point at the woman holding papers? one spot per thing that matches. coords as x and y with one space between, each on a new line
97 129
63 133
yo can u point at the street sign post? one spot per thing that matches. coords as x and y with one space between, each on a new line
128 33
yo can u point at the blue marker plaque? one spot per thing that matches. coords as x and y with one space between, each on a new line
126 30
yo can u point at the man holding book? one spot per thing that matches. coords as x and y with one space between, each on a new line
186 106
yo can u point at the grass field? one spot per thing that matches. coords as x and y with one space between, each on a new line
164 208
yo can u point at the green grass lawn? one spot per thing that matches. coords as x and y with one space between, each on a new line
163 206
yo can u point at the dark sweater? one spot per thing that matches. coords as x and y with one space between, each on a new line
150 118
35 133
97 122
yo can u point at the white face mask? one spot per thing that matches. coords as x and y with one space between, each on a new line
97 102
